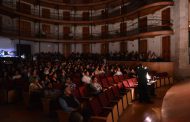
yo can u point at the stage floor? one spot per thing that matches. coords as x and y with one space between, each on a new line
176 103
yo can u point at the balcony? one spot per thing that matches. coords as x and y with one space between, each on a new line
155 28
130 11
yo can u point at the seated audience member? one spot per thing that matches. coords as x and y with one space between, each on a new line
49 91
17 75
35 86
68 102
70 83
101 70
34 76
95 87
96 72
86 78
118 72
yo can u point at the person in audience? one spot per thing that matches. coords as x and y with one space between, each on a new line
67 101
86 78
35 86
96 72
33 77
95 87
118 72
101 70
17 75
70 83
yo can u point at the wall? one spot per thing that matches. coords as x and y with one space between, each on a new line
44 47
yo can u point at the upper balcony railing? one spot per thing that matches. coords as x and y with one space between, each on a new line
155 25
119 11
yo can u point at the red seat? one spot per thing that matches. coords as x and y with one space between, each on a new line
109 105
84 92
121 77
131 83
110 80
116 79
99 114
133 88
105 83
120 96
125 89
126 84
117 100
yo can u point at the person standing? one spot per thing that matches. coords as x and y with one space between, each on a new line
142 84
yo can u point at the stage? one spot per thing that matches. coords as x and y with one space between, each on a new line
176 103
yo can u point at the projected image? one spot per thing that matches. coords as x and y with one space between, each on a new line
7 53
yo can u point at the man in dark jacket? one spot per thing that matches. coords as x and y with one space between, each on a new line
142 84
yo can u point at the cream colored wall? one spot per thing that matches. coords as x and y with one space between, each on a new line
132 46
96 48
77 48
114 47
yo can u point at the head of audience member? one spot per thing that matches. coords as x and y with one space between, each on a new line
67 90
68 80
94 79
86 73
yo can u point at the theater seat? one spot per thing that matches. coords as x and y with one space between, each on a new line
133 87
98 113
108 105
112 98
116 79
110 81
104 83
125 89
118 95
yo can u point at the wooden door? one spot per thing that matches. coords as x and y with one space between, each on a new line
104 31
166 48
67 49
143 46
104 48
25 27
46 30
66 32
85 34
23 7
46 13
123 28
66 15
123 46
166 16
85 15
143 24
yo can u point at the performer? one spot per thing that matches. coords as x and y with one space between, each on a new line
142 84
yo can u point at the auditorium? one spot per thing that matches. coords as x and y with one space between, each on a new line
94 60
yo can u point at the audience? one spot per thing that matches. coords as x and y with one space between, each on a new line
95 87
67 101
49 73
86 78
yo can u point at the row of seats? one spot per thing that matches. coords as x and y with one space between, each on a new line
119 92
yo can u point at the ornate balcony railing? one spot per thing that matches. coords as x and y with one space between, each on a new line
136 4
132 30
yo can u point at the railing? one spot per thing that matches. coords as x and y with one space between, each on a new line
132 30
78 17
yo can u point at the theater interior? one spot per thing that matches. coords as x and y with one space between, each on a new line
94 60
